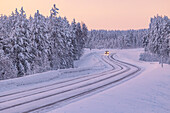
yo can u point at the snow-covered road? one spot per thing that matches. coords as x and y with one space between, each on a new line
83 89
56 94
149 92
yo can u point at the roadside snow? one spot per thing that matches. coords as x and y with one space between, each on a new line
149 92
90 63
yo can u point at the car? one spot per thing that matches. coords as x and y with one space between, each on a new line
106 52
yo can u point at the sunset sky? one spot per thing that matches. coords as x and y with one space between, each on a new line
97 14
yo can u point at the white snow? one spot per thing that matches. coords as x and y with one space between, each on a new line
149 92
90 63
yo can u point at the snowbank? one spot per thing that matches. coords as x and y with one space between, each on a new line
91 62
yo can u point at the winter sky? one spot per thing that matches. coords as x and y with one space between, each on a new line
97 14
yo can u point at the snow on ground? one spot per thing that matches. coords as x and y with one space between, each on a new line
90 63
148 92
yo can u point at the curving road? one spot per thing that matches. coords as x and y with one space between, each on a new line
44 98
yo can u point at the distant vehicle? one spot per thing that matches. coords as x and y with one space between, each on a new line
106 52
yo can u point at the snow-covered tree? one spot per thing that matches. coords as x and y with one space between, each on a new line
74 40
157 40
7 69
20 44
115 39
39 43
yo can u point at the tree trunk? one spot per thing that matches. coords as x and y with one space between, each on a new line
162 61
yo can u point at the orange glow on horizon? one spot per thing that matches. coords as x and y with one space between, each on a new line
97 14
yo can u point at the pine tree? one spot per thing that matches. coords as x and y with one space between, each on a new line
74 40
157 40
39 43
20 44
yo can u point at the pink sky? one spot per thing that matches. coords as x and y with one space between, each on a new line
97 14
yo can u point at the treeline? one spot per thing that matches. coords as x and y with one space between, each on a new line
115 39
157 41
38 44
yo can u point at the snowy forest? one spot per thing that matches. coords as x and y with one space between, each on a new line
115 39
38 44
157 40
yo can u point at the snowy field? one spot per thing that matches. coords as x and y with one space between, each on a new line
148 92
